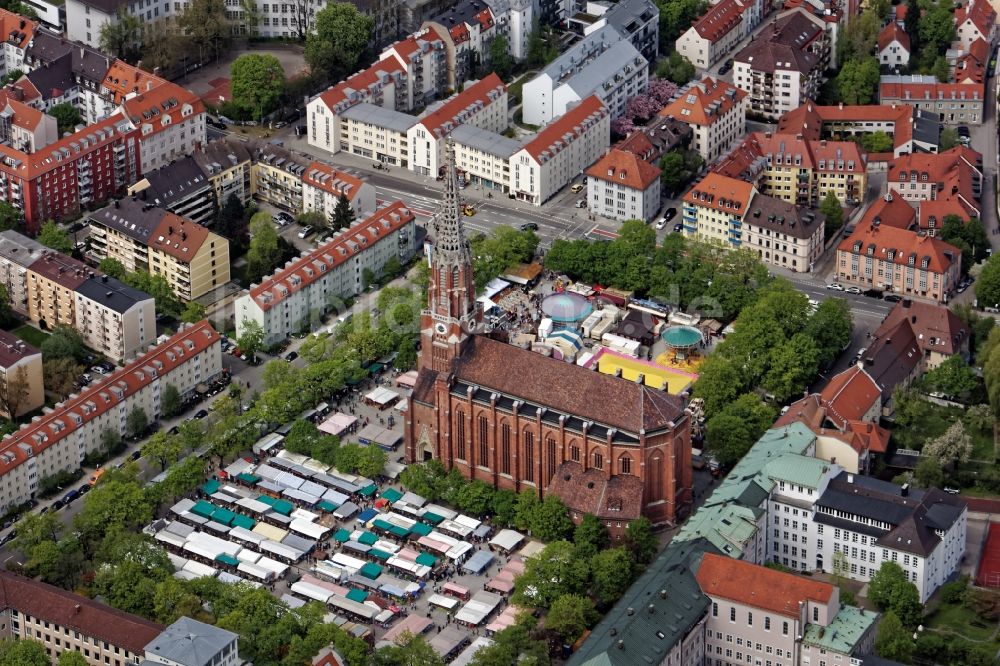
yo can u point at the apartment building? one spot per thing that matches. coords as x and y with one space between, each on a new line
940 185
783 67
760 614
635 20
114 319
939 334
61 438
468 29
320 279
714 208
65 622
866 522
189 642
86 18
181 187
898 260
911 130
950 103
23 127
975 19
799 171
276 177
21 388
19 30
484 158
78 170
323 185
169 122
562 150
226 165
893 46
602 64
427 65
621 186
51 286
142 236
17 253
376 133
482 104
714 34
716 113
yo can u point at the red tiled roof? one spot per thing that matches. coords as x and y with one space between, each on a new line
99 397
312 265
458 108
460 33
358 87
929 322
637 143
721 193
27 117
332 180
43 160
695 106
890 33
809 118
169 99
181 237
16 29
62 269
954 174
903 244
485 19
870 435
124 79
892 211
591 491
13 349
719 20
850 395
980 13
77 613
753 585
566 128
911 91
624 168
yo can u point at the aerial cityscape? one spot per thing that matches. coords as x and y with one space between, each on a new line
499 332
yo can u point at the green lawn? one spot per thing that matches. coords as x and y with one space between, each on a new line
931 421
957 619
31 335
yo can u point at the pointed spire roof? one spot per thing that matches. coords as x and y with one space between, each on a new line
450 243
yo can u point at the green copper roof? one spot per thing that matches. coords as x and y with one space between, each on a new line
799 470
843 633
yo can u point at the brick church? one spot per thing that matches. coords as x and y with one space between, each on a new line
519 420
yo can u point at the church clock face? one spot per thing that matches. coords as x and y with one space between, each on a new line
440 328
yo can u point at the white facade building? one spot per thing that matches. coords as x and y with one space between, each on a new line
171 124
376 133
621 186
323 185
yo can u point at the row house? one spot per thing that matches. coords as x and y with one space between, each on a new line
484 158
602 64
482 104
81 169
716 32
180 187
911 130
376 133
975 20
783 67
324 185
716 113
910 263
145 237
561 151
226 164
468 29
60 439
320 280
950 103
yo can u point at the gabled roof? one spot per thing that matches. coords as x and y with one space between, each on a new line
892 32
332 180
14 350
899 245
850 395
123 79
810 118
178 237
719 20
890 210
759 587
935 327
703 103
917 89
626 169
62 269
461 106
591 491
978 13
359 87
770 57
17 30
566 129
155 106
721 193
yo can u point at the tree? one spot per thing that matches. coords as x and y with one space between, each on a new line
953 377
988 284
251 340
833 212
640 540
980 418
341 36
550 520
830 327
14 391
793 365
890 590
410 651
170 401
541 50
193 312
474 498
941 70
231 219
502 248
23 652
120 37
949 138
112 267
11 217
264 254
67 116
894 641
406 355
929 473
550 574
611 574
205 22
951 448
677 68
60 375
590 536
569 616
877 142
72 658
163 448
967 235
257 82
136 423
343 214
500 57
114 505
157 286
64 342
50 235
858 80
111 441
731 432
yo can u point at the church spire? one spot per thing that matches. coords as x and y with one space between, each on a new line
450 244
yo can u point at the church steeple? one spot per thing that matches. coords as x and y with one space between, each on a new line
452 314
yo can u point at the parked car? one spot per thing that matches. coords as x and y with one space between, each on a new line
661 223
963 130
529 226
107 365
76 226
892 298
97 369
582 203
291 356
200 414
306 230
853 290
678 228
835 286
950 490
576 188
670 214
283 218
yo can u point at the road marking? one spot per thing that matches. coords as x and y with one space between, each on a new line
597 230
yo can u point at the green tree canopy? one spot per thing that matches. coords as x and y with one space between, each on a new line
611 572
53 236
890 590
640 540
893 640
17 652
503 248
500 57
67 116
953 377
121 37
112 267
833 211
341 36
569 616
550 574
258 81
206 24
